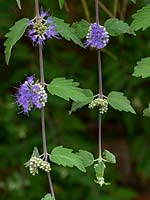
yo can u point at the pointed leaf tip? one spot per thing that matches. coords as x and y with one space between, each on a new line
120 102
15 33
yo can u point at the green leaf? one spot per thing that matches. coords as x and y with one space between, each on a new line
146 111
48 197
141 19
119 102
34 153
109 157
134 1
99 169
116 27
13 36
143 68
66 31
61 3
65 157
67 89
79 104
18 3
81 28
86 157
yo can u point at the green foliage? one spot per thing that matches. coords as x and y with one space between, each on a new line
48 197
66 31
35 153
20 133
141 19
116 27
79 104
143 68
109 157
67 89
61 3
13 36
100 169
18 3
64 156
119 102
146 111
134 1
81 28
86 157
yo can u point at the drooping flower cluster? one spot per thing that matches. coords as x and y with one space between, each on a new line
36 163
41 28
97 36
102 103
30 95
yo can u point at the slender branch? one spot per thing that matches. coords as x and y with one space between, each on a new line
86 9
100 83
42 110
115 8
105 9
123 10
100 74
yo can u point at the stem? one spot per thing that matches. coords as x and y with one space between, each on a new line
86 9
100 84
42 110
106 9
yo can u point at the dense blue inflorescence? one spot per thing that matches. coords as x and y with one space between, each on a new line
30 95
41 28
97 36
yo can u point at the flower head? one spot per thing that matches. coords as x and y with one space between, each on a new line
36 163
30 95
41 28
97 36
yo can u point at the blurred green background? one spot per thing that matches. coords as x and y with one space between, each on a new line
126 135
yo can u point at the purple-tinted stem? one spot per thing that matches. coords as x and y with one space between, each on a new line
100 84
42 111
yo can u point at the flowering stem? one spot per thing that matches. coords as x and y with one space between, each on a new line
42 110
100 84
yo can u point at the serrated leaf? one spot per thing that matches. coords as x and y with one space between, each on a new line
141 19
79 104
100 169
109 157
64 156
34 153
146 111
61 3
120 102
86 157
143 68
48 197
116 27
18 3
66 89
14 35
81 28
66 31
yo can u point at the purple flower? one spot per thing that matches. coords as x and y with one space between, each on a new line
97 36
30 95
42 28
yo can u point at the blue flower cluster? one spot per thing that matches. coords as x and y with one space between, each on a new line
41 28
97 36
30 95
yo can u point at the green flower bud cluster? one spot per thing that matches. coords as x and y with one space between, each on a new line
102 103
36 163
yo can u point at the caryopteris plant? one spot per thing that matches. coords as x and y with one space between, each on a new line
32 94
